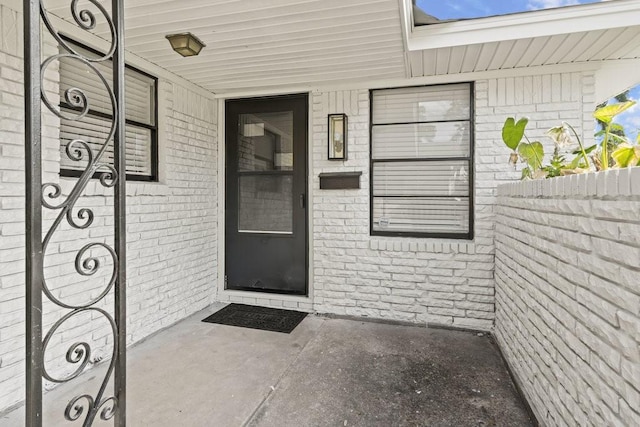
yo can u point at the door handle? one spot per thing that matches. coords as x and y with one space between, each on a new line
302 201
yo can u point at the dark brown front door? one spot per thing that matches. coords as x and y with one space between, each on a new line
266 194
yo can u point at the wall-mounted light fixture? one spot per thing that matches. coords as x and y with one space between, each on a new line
186 44
337 137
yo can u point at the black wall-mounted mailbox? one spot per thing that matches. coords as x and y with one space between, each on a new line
340 180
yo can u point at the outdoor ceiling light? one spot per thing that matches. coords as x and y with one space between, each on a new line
186 44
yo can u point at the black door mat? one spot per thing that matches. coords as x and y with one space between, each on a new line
263 318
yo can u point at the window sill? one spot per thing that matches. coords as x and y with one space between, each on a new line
446 246
134 188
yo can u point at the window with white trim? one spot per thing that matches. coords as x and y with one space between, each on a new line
422 161
140 116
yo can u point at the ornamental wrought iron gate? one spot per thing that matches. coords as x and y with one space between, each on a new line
59 207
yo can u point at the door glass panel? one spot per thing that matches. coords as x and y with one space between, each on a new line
265 141
266 204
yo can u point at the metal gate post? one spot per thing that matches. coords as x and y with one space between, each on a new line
33 209
119 204
85 407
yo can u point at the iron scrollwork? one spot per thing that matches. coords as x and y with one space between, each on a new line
85 407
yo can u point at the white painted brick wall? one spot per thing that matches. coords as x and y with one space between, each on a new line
172 229
417 280
568 295
12 250
171 225
446 282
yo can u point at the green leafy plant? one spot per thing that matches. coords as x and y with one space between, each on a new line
614 149
561 136
555 167
529 152
513 132
627 155
611 136
532 152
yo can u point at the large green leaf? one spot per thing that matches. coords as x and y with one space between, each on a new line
608 112
513 132
575 162
626 155
532 153
586 150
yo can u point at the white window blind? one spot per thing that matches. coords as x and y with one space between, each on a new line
421 155
140 115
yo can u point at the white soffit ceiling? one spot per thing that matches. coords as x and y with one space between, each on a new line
618 43
264 45
267 44
595 32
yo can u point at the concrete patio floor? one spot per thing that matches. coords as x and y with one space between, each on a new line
327 372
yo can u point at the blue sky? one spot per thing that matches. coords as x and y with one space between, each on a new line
446 9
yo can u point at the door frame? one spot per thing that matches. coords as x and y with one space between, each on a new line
303 302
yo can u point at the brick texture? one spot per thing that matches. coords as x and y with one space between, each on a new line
171 225
444 282
567 295
417 280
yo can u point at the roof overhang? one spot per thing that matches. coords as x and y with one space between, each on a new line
541 23
585 35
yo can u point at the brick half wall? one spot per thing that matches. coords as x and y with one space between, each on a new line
568 295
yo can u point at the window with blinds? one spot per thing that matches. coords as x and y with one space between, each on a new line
140 116
422 161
